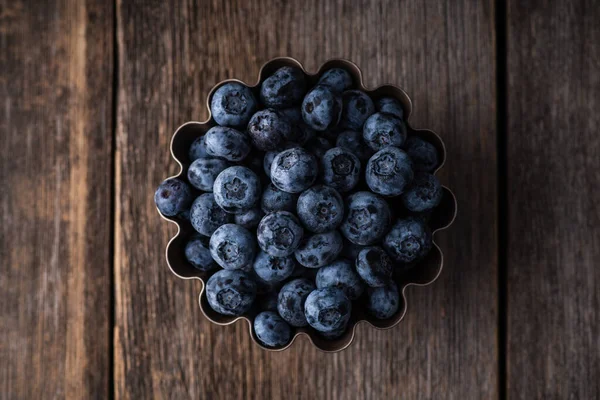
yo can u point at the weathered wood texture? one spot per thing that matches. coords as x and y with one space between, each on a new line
554 193
55 208
170 55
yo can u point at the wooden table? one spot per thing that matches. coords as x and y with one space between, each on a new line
91 94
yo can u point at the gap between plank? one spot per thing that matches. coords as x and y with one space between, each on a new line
501 135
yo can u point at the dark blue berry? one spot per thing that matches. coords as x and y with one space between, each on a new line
367 218
291 299
232 105
197 252
423 154
227 143
249 219
409 240
321 108
268 301
383 302
423 194
389 172
285 88
198 148
274 199
383 130
353 142
294 170
172 197
232 246
206 215
341 274
337 79
340 169
374 266
230 292
328 309
273 269
279 233
303 132
271 330
318 146
270 156
357 107
237 189
269 129
320 208
391 106
319 249
203 172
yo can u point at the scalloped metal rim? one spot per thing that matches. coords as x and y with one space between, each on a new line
403 288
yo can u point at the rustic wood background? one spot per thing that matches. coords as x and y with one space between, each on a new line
91 93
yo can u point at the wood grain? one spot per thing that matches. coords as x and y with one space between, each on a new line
56 89
554 192
170 55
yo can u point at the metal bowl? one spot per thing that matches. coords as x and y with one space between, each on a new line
427 271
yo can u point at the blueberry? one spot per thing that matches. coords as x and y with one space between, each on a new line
237 189
382 130
337 79
389 171
318 146
290 302
374 266
198 148
391 106
232 105
203 172
172 197
230 292
268 301
423 194
367 218
273 269
423 154
303 132
249 219
274 199
270 156
206 215
269 129
357 107
383 302
334 334
197 253
320 208
279 233
341 274
271 330
319 249
409 240
327 309
285 88
321 108
227 143
294 170
353 142
232 247
340 169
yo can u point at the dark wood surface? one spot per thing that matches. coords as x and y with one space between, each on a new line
92 94
55 225
554 200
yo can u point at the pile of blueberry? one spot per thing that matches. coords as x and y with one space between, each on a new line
306 201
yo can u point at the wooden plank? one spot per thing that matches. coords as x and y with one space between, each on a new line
554 192
56 89
170 55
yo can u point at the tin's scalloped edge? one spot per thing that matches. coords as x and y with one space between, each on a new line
403 312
